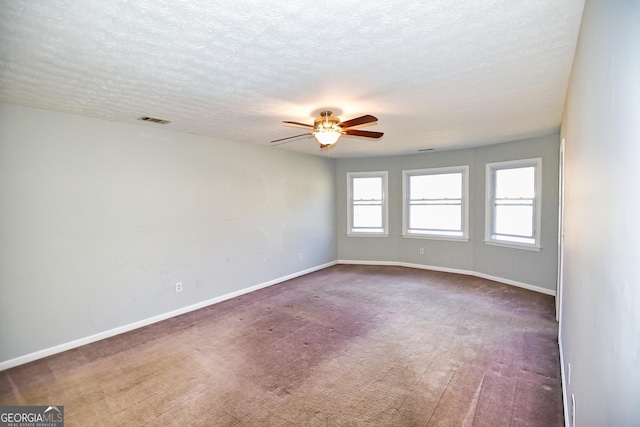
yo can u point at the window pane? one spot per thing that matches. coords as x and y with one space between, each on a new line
514 220
440 186
367 216
435 217
514 183
367 188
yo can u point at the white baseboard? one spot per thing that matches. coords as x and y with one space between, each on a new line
563 380
21 360
145 322
455 270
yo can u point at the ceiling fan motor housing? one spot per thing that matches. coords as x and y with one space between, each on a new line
327 122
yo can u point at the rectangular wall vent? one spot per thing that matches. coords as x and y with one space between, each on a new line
154 120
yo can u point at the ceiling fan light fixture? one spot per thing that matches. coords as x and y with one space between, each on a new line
328 129
327 136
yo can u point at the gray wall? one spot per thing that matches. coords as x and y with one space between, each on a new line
600 323
99 220
527 267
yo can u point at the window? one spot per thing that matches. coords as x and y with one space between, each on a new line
513 203
368 211
436 203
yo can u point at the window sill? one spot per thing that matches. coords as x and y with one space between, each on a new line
534 248
434 237
367 234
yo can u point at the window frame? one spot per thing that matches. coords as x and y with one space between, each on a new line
490 170
384 207
464 206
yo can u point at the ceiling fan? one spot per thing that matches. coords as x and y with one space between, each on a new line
327 129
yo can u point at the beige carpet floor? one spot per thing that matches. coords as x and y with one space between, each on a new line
344 346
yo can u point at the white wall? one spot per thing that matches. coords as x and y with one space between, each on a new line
523 267
99 220
600 324
534 268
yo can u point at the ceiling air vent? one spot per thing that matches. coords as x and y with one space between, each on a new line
154 120
426 149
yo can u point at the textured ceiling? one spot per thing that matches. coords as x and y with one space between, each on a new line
440 74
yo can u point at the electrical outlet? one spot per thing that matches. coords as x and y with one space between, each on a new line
179 287
421 251
300 256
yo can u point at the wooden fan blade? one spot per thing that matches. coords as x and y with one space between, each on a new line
358 121
291 137
298 124
365 133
